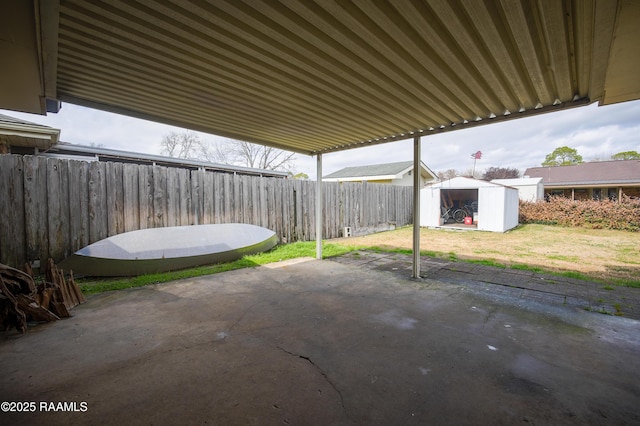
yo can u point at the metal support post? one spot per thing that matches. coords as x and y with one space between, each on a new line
319 208
417 171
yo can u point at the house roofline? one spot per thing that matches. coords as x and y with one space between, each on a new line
601 184
114 154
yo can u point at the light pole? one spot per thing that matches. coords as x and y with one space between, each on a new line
476 156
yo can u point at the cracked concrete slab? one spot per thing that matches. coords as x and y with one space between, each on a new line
318 342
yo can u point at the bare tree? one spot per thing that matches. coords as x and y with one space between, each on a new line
189 146
181 145
447 174
251 155
470 173
501 173
451 173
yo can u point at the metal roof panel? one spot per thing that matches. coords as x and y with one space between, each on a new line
325 75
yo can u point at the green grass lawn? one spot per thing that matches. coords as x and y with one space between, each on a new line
279 253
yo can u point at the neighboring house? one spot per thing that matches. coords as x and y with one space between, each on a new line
19 136
529 189
26 138
497 205
591 181
400 173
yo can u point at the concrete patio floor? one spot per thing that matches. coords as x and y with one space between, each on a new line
320 342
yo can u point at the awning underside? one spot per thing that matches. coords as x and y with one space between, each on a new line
318 76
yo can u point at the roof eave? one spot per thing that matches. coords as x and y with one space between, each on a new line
49 135
455 126
600 184
360 178
132 156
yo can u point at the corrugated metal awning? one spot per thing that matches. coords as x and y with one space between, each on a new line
318 76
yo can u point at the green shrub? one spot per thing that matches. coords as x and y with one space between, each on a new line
623 215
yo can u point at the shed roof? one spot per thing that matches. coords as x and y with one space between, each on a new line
465 183
518 181
379 171
319 76
621 172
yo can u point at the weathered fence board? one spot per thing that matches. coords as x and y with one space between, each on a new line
216 195
159 197
173 199
115 199
241 196
226 196
131 193
197 203
52 207
145 196
58 208
310 201
12 226
97 202
208 198
184 189
79 204
35 208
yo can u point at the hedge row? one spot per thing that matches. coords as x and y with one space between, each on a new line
624 215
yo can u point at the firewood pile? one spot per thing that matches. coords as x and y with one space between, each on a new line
21 300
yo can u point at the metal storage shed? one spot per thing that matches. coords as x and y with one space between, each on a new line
497 204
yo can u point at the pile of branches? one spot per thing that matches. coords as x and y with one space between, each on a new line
22 301
605 214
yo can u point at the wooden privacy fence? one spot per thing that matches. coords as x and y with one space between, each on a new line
52 207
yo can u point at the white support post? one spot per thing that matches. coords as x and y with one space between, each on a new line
319 208
417 171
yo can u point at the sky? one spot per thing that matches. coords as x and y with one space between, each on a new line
595 132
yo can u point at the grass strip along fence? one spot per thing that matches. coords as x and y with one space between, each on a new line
279 253
307 249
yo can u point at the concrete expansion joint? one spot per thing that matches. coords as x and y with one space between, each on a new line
322 373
